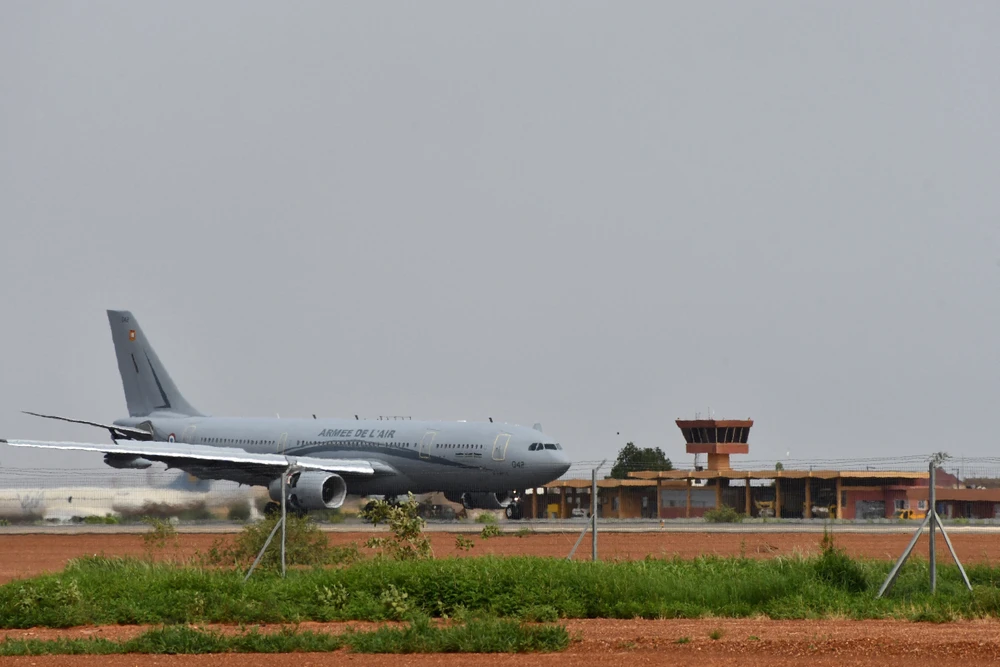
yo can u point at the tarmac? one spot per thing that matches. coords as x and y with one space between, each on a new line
575 525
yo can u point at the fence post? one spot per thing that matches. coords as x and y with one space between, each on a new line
932 512
593 512
592 524
280 524
933 522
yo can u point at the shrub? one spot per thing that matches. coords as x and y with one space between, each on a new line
724 514
408 541
239 511
161 531
419 636
491 530
837 569
305 544
485 517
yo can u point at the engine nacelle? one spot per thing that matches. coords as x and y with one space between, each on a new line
481 501
125 461
311 490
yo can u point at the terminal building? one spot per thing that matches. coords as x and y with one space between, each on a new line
775 493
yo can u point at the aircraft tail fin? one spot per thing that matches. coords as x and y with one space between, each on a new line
148 387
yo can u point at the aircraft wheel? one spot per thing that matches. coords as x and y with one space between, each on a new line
513 511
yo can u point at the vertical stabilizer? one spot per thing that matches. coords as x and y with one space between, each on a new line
148 387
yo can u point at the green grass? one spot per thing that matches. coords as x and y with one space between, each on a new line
476 636
98 590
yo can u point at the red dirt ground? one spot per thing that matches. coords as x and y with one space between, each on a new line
27 555
611 642
614 642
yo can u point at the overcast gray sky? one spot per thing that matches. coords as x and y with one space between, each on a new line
599 216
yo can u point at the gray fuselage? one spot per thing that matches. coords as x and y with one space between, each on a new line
417 456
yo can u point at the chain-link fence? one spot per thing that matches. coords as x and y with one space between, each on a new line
873 493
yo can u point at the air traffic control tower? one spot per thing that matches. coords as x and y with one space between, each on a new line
716 437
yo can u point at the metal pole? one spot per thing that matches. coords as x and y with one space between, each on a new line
593 512
592 523
891 579
932 498
263 549
947 540
589 525
284 493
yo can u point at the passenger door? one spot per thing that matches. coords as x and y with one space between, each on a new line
425 444
282 442
500 446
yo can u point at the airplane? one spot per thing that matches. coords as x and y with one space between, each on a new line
477 464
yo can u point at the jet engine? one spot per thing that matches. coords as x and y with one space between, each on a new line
481 501
124 461
311 490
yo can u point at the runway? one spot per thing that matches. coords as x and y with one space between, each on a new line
537 526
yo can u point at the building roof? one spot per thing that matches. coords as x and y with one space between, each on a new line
777 474
601 483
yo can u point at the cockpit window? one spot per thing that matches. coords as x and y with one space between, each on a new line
534 446
550 445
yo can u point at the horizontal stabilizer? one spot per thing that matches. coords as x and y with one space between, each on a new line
117 432
176 451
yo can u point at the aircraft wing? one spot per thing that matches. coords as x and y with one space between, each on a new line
185 456
117 432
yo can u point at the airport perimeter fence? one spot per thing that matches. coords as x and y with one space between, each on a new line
863 493
876 494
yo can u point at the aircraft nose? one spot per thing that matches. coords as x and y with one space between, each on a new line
561 465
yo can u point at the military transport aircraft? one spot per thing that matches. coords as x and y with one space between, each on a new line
475 463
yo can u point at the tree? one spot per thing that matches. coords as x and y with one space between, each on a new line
779 466
632 458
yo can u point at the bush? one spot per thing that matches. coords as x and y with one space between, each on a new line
106 519
839 570
161 531
305 544
408 541
98 591
239 511
491 530
476 636
724 514
485 517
